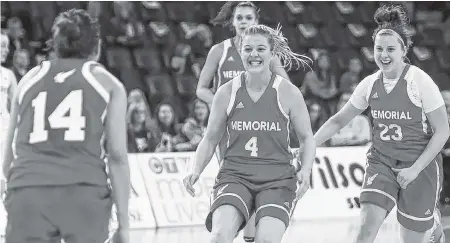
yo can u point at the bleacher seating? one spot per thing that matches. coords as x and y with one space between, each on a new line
343 28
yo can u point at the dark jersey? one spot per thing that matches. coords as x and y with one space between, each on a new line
400 127
257 134
60 130
230 65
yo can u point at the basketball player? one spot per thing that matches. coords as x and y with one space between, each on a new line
62 112
410 127
256 108
8 86
224 63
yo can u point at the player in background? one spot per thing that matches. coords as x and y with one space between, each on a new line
410 127
62 112
223 63
255 109
8 86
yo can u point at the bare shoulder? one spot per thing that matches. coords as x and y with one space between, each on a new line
289 95
106 79
216 50
223 94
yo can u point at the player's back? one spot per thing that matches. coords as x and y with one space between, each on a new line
258 134
60 130
230 64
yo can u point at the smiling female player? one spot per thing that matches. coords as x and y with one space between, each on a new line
224 63
410 127
256 109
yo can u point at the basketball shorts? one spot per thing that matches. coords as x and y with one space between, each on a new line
274 199
416 203
75 213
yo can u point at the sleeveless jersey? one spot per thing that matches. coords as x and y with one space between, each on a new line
230 65
400 127
60 131
257 134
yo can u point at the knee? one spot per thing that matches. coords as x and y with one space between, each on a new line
221 237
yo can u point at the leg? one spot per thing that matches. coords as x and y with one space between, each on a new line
417 206
274 206
250 229
270 230
235 203
378 196
370 220
226 221
84 213
27 221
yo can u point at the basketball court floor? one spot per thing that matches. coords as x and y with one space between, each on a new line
333 231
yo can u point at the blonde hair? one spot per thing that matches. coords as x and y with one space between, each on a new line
279 45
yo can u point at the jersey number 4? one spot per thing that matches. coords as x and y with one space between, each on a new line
252 146
68 115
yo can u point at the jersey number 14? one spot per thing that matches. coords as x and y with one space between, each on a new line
68 115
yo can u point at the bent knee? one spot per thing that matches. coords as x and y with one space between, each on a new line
221 237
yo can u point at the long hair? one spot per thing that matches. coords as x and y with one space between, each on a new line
279 45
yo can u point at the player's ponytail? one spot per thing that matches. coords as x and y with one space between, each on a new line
75 34
392 20
279 45
226 13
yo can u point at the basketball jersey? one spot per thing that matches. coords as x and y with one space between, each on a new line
257 134
230 65
60 129
7 76
400 127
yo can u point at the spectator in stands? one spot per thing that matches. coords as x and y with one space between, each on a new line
352 77
320 84
17 36
317 115
180 58
141 129
21 63
195 126
357 131
136 96
445 193
168 128
125 28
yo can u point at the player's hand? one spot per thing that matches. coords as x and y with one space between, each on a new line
406 176
121 236
303 178
189 182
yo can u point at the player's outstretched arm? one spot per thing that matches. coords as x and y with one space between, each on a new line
299 116
355 106
14 101
215 129
116 137
207 74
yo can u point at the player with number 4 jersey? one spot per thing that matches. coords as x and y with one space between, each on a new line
253 111
62 113
410 127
